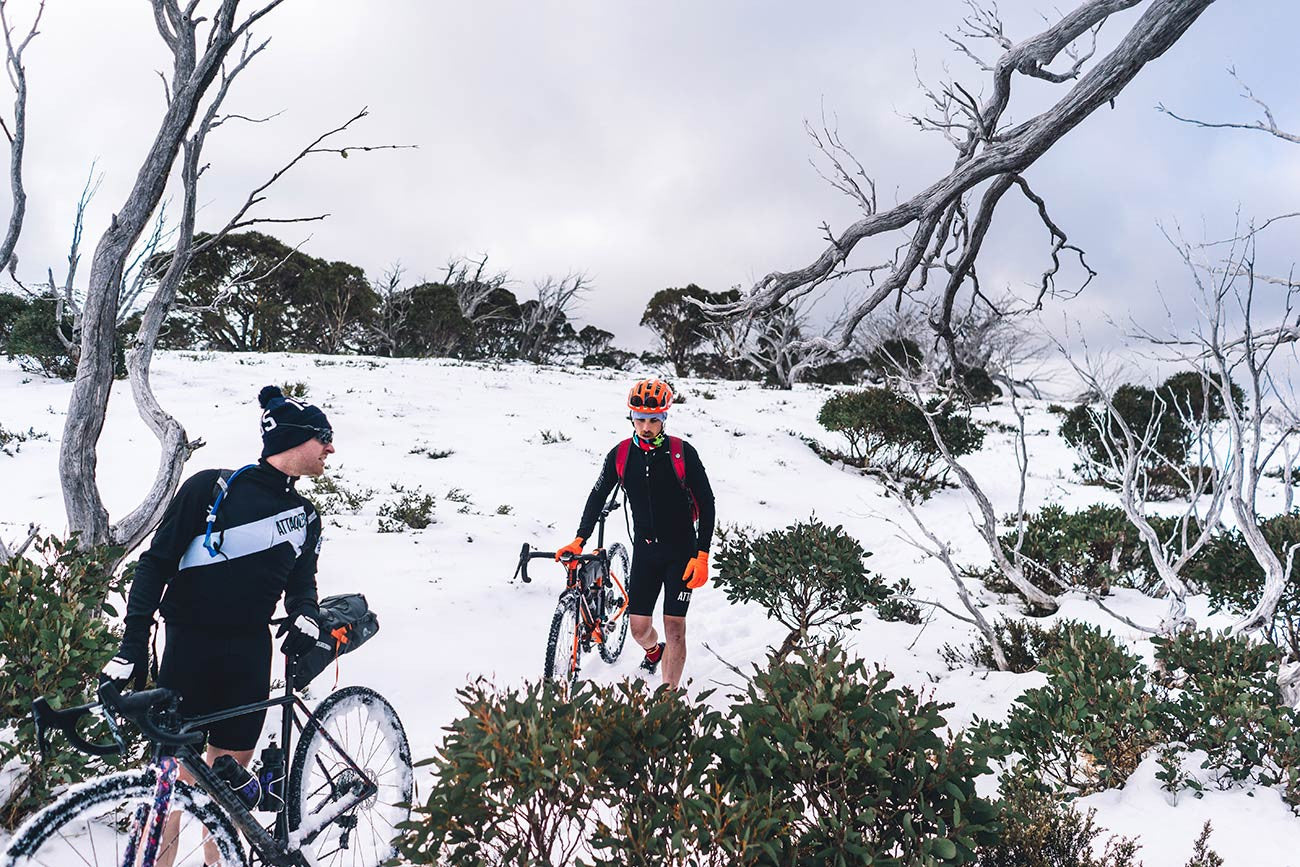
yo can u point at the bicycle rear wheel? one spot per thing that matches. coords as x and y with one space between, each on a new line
91 825
615 632
364 726
563 650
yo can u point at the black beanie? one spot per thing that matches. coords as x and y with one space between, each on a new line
286 422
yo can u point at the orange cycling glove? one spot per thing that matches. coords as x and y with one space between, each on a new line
574 548
697 571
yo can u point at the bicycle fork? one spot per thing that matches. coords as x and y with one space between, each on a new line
167 771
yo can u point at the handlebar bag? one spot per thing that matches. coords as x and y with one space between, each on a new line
346 623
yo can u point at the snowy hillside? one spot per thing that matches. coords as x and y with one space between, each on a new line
525 445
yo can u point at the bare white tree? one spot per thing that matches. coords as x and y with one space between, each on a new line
1130 452
209 51
1010 562
1253 440
17 135
541 319
779 347
945 227
939 548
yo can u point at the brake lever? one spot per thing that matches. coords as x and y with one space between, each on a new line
522 569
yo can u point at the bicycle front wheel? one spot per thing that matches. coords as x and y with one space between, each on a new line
359 724
563 650
614 631
91 826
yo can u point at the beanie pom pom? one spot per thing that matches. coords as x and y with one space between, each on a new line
268 394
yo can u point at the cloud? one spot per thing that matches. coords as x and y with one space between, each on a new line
648 144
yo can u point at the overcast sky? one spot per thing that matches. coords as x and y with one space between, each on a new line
657 144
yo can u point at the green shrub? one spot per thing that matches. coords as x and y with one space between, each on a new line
550 437
1231 576
974 384
1185 392
808 577
33 339
54 639
11 307
1039 831
1090 726
412 509
295 390
511 781
331 495
897 608
1095 548
11 442
1222 698
859 772
886 432
816 762
1138 406
1023 642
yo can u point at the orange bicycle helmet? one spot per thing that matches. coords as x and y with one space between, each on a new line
650 396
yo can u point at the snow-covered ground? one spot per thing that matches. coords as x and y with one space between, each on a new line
448 609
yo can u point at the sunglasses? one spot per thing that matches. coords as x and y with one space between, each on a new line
640 402
324 434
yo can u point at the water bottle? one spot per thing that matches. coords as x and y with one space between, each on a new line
271 777
244 783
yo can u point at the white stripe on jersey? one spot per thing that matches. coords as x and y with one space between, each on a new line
253 538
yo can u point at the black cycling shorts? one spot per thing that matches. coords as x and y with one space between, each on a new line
655 566
216 670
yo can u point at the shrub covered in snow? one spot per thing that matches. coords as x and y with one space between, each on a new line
1233 579
1023 642
1090 726
1221 702
1094 548
810 578
409 510
1040 831
886 432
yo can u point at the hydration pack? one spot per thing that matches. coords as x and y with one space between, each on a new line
678 456
346 623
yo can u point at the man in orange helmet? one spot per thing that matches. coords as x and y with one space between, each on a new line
668 491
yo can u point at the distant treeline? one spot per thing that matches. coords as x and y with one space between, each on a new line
250 292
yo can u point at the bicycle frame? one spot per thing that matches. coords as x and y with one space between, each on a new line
277 846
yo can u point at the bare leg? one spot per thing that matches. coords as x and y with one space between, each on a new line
643 631
675 649
167 849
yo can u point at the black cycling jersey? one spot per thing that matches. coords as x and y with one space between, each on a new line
661 509
266 538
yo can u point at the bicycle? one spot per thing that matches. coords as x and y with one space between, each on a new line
592 607
330 808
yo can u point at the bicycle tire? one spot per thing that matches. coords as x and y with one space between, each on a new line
563 653
616 636
77 829
364 724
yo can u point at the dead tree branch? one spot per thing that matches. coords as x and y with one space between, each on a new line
987 153
1267 125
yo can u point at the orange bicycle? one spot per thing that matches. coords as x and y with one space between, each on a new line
592 609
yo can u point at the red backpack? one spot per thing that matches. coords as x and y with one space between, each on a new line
678 455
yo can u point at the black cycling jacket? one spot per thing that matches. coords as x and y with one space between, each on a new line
661 509
267 536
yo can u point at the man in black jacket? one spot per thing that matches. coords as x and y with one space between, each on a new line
223 576
668 491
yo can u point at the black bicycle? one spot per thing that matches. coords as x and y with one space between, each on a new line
337 802
592 608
